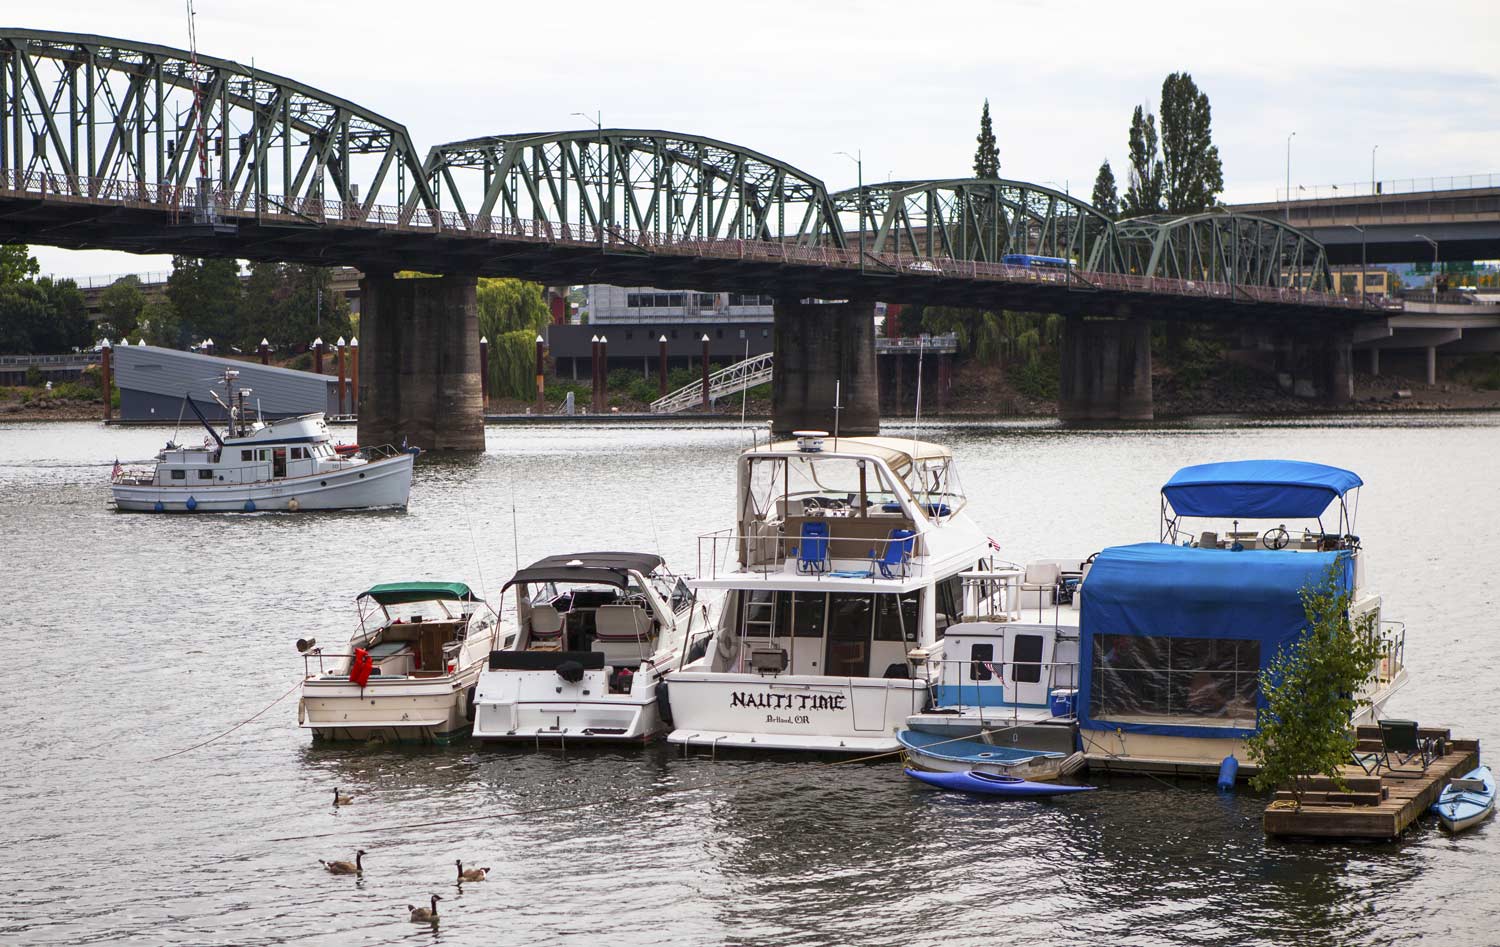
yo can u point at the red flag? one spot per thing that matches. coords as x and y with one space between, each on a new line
359 670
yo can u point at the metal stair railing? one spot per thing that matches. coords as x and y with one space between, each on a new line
753 371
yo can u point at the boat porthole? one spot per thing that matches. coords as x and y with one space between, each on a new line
322 483
361 476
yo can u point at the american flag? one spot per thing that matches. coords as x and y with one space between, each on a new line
995 670
993 544
115 473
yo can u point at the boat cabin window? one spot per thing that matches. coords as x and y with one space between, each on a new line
179 474
205 474
950 603
278 462
896 617
1174 677
247 455
934 482
1026 659
808 620
816 484
981 656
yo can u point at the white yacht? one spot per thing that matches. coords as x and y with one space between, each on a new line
597 633
840 574
1174 634
289 464
410 668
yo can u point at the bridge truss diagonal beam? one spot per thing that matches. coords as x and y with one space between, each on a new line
109 117
643 185
1225 248
980 219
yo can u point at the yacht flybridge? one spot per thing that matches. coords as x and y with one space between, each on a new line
597 633
288 464
842 570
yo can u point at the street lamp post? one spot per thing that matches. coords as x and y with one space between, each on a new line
1287 198
859 163
1434 265
1364 267
1372 168
599 145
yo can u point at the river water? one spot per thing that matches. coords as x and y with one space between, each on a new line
134 636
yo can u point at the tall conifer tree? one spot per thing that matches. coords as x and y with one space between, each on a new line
986 156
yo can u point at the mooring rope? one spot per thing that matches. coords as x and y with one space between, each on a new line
233 728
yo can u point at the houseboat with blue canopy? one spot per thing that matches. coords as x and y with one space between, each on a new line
1173 635
409 671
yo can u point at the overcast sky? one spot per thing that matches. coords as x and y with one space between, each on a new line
901 81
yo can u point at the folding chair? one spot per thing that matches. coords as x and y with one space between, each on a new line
1400 740
812 550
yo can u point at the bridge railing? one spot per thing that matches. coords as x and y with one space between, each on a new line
332 212
1457 182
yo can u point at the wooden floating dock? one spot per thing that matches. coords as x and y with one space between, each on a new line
1374 806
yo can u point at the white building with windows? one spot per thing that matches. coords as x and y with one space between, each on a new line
645 304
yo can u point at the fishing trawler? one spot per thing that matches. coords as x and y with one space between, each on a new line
598 631
409 671
842 570
288 464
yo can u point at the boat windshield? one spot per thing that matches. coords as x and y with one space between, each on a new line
814 481
934 482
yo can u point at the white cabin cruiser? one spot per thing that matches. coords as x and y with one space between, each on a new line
288 464
409 671
597 633
1174 634
842 570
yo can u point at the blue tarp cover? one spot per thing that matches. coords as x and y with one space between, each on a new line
1163 591
1258 489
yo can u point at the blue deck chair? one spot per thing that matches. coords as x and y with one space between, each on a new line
893 561
812 550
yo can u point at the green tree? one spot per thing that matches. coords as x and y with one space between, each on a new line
16 263
511 314
1193 175
121 304
290 304
1144 192
159 324
1106 197
42 316
986 156
1309 688
206 296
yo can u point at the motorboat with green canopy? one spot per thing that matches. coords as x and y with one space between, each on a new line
1174 634
596 634
409 671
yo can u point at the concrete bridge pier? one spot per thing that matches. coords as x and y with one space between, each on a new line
419 362
1319 367
1106 370
821 347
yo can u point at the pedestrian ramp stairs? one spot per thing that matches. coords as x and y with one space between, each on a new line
753 371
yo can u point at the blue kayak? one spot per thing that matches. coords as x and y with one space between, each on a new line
990 784
1466 801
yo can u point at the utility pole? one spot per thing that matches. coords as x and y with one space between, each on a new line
1372 169
599 148
1434 265
859 163
1287 197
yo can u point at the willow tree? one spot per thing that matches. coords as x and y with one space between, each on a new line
511 314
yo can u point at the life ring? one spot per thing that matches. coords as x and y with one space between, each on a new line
293 505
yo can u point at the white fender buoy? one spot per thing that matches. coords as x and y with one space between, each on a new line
293 505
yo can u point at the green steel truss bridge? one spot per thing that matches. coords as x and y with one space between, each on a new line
115 144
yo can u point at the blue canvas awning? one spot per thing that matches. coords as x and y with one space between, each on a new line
1152 593
1258 489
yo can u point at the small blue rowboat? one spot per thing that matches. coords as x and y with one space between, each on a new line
1466 802
990 784
944 754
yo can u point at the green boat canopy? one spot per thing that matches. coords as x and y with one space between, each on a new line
397 593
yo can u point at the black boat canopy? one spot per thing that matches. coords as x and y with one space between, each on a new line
604 568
